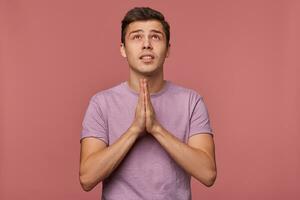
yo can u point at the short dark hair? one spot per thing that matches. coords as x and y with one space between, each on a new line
142 14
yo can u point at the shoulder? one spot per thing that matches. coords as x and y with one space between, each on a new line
181 90
106 93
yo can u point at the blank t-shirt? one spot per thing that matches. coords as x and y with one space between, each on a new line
147 171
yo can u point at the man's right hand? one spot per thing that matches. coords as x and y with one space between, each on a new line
97 161
139 122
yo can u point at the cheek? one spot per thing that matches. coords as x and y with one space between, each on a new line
162 53
132 56
132 50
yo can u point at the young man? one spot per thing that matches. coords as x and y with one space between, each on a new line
147 136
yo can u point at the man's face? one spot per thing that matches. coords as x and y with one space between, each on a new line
145 47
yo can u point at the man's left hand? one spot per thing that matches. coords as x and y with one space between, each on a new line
151 123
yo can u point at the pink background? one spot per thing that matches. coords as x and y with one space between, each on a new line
240 55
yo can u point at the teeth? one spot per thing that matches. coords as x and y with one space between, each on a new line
146 57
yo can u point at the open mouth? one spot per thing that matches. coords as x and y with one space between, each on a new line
147 58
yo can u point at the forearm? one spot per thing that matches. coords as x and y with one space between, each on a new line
101 164
194 161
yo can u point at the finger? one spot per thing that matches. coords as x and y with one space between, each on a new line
147 96
141 93
148 93
145 89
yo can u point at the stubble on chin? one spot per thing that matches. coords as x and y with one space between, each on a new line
146 73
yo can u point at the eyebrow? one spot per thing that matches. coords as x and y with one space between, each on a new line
140 30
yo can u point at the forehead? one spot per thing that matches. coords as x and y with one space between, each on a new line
145 26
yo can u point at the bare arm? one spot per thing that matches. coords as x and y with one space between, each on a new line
98 161
196 158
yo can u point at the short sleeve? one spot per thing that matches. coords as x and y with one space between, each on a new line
94 124
199 121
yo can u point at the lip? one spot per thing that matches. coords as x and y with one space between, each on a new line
147 54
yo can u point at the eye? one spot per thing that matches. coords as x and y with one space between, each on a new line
156 37
137 37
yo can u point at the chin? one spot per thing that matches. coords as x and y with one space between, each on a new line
146 69
147 73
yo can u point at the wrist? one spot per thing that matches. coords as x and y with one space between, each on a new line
157 128
134 130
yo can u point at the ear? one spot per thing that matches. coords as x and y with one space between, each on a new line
168 51
122 50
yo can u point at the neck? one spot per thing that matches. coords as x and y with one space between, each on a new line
156 83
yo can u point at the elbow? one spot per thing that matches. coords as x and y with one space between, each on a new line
209 179
89 180
86 184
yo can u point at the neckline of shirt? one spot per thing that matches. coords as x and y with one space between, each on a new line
161 91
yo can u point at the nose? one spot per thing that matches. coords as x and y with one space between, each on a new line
147 44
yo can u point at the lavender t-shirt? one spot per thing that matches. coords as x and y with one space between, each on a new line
147 171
